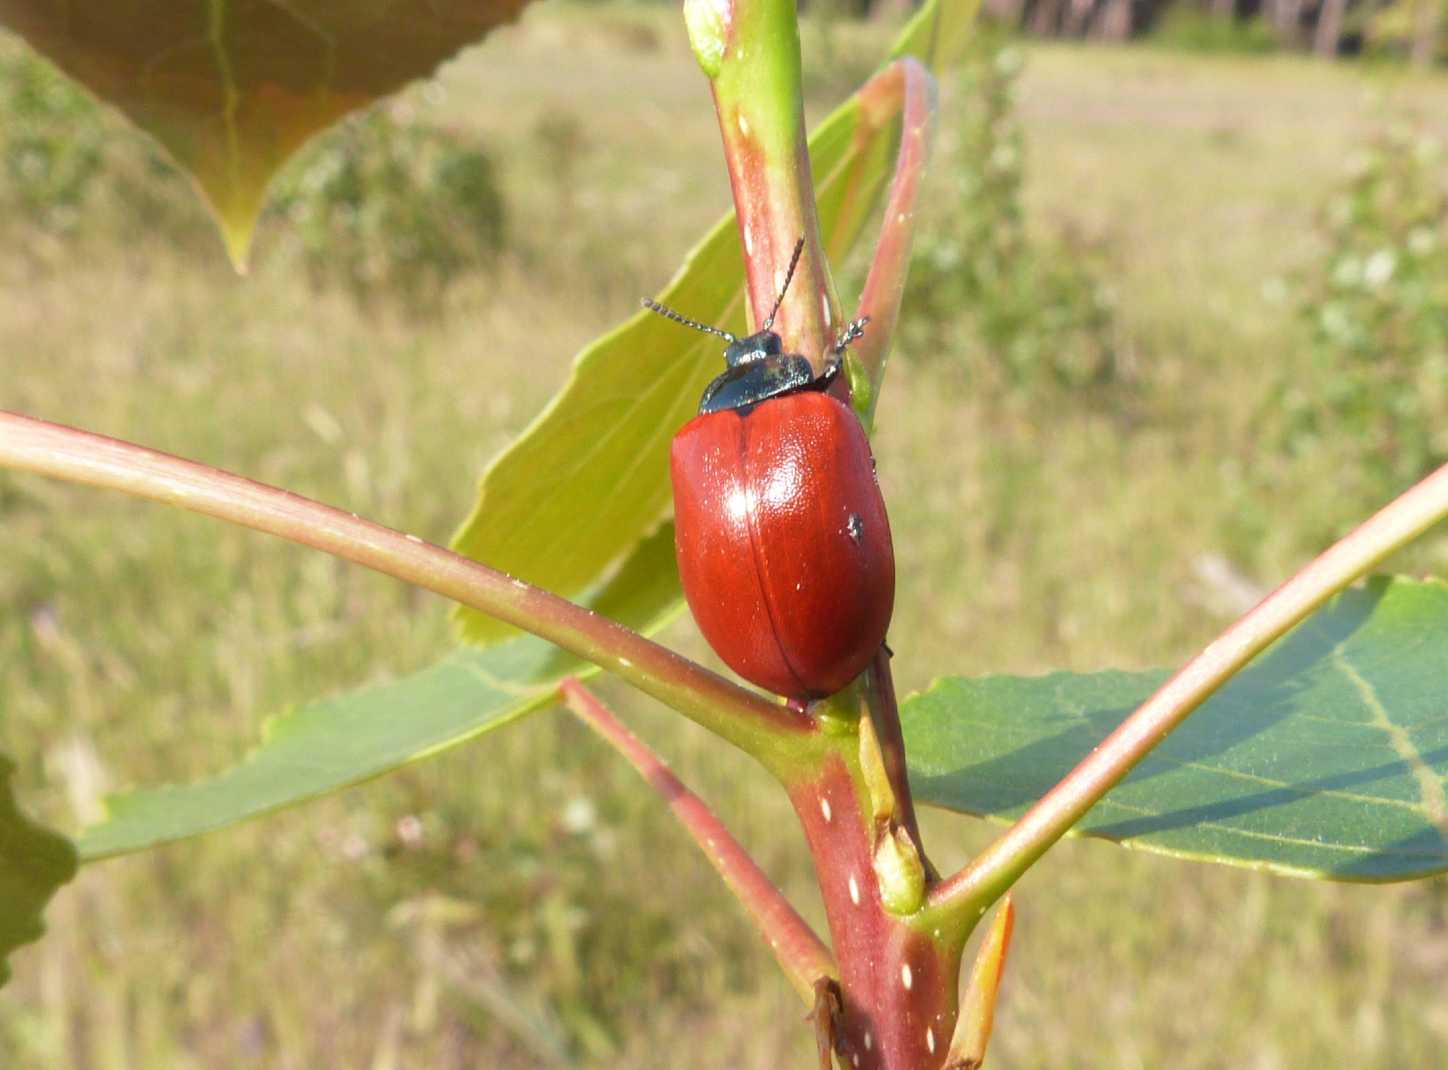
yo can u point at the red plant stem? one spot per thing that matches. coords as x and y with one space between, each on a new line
898 975
756 87
763 729
877 104
905 82
801 954
995 869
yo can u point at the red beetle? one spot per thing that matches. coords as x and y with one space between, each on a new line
783 544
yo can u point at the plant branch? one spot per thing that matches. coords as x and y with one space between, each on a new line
975 887
801 954
749 49
905 86
977 1006
745 719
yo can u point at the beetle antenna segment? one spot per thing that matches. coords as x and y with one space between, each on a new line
669 313
793 263
856 329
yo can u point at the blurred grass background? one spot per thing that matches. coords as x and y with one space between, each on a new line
524 901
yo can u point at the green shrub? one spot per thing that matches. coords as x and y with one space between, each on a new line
388 204
52 143
1188 28
1375 309
1391 30
1031 313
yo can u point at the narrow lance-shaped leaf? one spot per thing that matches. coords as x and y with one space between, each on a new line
604 439
938 33
336 742
1327 757
232 87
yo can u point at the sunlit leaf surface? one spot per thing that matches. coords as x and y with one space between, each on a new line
232 87
1327 757
328 745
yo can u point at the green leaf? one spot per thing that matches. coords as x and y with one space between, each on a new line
604 439
328 745
232 87
1327 757
938 32
34 863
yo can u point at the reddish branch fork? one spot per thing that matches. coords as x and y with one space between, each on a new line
803 957
899 962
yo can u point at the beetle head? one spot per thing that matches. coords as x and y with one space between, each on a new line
756 347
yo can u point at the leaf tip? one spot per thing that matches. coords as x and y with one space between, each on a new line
708 23
237 239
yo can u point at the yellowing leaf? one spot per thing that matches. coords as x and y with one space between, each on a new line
232 87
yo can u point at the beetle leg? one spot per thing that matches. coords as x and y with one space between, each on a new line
835 362
833 366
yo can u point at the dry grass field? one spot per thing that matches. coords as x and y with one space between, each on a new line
522 901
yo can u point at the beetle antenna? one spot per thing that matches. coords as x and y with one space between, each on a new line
793 263
669 313
855 330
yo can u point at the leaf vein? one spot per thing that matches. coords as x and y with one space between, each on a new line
1430 786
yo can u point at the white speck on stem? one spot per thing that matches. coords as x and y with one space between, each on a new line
743 122
906 977
825 809
748 240
930 1039
854 891
869 1041
854 1060
413 538
825 305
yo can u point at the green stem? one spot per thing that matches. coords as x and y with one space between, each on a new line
801 954
767 731
750 51
974 888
